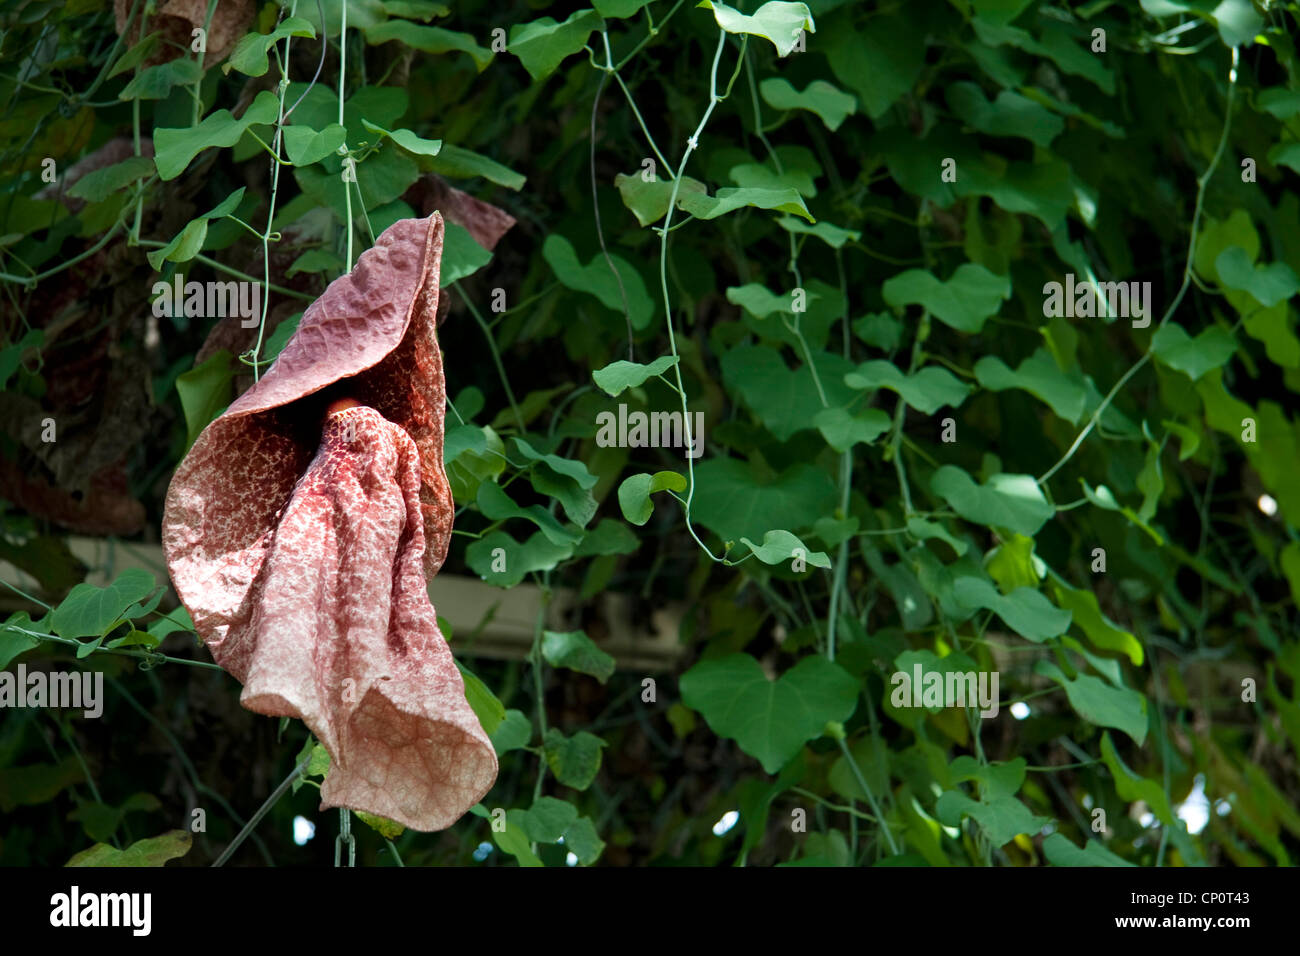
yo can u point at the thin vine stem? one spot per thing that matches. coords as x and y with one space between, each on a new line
871 797
116 651
496 354
262 811
349 164
691 145
1202 181
595 201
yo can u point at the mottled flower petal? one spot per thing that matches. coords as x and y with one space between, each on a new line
302 557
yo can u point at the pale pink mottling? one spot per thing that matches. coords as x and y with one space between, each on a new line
302 553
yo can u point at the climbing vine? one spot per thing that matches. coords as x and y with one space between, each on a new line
874 353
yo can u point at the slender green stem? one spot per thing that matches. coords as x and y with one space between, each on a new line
852 811
347 169
595 204
691 145
199 785
653 32
663 163
76 752
270 213
496 356
117 651
112 55
30 281
896 440
871 797
393 850
841 559
135 144
1202 181
198 84
222 267
23 594
262 811
539 689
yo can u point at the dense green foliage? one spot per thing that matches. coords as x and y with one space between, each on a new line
830 230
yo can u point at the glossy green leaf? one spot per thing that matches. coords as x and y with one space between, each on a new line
964 301
831 104
704 206
617 377
434 40
1273 327
620 9
607 538
583 842
1002 818
1010 114
786 400
871 755
765 177
496 505
776 20
513 733
842 430
306 146
547 819
1238 22
1269 284
156 82
13 642
154 851
634 493
461 255
1041 377
1014 502
759 301
779 547
1102 632
189 241
408 140
1131 786
833 236
881 63
733 501
205 391
462 163
924 530
1194 357
99 185
543 44
771 720
250 54
316 260
927 390
1013 564
1060 851
487 708
1025 610
574 760
472 454
175 148
880 330
575 651
514 840
597 279
648 199
1101 703
503 562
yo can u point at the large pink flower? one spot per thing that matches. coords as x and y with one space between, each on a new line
301 550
